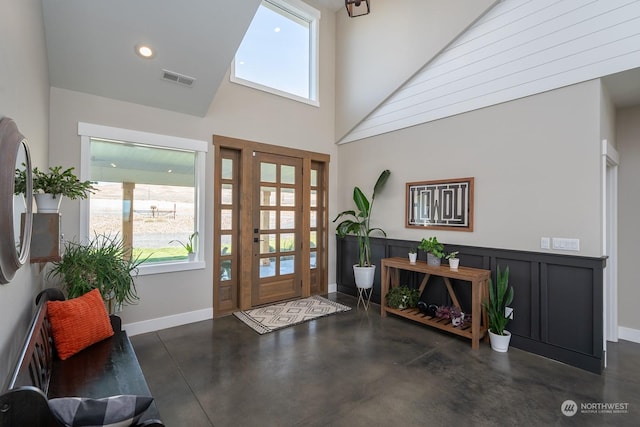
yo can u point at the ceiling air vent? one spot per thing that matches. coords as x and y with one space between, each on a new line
178 78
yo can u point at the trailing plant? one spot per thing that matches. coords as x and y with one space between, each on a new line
403 296
358 222
104 264
432 246
56 181
500 296
190 244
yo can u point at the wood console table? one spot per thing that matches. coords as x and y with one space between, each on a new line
478 278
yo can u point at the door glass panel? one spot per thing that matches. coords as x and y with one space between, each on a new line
267 196
314 178
227 194
267 172
287 242
314 260
313 239
268 220
225 244
287 197
287 220
314 219
226 219
314 199
287 264
227 169
267 243
267 267
287 174
225 270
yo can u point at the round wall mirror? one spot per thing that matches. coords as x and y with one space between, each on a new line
16 200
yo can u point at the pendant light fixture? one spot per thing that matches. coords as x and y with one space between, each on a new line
357 7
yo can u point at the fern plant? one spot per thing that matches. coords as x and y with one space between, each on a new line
500 296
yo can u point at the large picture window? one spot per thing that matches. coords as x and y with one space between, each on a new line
148 192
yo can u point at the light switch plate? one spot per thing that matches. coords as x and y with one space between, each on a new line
565 244
545 243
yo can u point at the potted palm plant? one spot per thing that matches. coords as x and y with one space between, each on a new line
500 296
49 187
358 223
104 264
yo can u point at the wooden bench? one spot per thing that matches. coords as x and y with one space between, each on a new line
107 368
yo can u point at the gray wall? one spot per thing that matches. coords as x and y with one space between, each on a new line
24 96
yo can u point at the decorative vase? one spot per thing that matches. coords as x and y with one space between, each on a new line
454 263
364 276
500 343
412 257
433 260
48 203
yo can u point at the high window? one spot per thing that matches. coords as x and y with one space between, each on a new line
279 52
148 193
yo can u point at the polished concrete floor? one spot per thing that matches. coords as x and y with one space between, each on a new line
357 369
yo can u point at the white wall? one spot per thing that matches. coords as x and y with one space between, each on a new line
536 163
236 111
628 140
24 96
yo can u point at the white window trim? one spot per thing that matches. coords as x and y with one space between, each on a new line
86 131
300 8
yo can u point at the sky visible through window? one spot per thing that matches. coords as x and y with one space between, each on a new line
275 51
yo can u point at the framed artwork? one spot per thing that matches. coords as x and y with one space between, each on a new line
440 205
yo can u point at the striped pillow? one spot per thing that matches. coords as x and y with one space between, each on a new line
114 411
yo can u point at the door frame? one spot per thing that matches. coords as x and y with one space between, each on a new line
245 150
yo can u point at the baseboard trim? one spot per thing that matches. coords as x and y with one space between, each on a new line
333 287
629 334
165 322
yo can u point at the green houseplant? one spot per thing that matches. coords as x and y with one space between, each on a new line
434 250
189 245
500 296
454 261
104 264
358 223
52 185
402 297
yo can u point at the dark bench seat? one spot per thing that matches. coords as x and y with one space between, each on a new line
107 368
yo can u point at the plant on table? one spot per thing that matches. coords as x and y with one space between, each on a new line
56 182
402 297
433 247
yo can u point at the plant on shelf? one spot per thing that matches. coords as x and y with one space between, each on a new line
500 296
402 297
434 250
358 223
104 264
190 244
453 259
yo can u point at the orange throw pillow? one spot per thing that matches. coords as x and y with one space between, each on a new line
78 323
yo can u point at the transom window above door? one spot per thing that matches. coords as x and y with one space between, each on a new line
279 52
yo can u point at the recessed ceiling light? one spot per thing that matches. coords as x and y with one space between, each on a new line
144 51
276 29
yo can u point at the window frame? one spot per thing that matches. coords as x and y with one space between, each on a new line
308 13
86 131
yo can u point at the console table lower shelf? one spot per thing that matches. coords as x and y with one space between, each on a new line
478 279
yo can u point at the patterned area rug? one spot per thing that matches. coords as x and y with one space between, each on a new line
277 316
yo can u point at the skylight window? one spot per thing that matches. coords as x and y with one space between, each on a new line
279 52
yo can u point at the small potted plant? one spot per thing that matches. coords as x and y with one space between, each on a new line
49 187
413 256
454 261
434 250
402 297
359 224
189 245
500 296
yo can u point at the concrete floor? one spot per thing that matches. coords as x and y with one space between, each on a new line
357 369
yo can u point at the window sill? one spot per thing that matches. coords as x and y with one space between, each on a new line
170 267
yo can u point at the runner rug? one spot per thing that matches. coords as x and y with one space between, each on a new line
277 316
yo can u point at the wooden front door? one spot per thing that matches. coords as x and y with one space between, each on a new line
277 207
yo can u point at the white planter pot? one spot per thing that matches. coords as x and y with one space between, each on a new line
48 203
191 256
500 343
454 263
413 257
364 276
